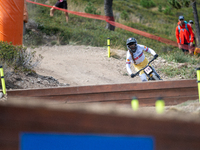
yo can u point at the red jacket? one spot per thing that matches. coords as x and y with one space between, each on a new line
185 34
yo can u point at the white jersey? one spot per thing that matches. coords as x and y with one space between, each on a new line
138 56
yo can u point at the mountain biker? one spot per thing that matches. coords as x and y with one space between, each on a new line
136 56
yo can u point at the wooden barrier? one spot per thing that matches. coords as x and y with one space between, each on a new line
173 92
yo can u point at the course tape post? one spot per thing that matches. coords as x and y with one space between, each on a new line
2 80
160 105
134 103
109 20
108 45
198 81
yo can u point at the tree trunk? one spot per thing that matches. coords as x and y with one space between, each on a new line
196 19
109 14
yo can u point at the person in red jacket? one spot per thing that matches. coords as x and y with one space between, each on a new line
184 36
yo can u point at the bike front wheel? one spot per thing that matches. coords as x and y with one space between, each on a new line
156 77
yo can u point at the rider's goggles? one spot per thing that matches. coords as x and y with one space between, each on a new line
132 45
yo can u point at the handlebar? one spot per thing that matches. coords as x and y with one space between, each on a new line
144 67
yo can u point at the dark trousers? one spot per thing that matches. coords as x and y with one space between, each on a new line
185 50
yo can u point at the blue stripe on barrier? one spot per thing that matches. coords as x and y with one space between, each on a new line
52 141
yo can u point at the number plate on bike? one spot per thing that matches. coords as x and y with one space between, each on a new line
148 70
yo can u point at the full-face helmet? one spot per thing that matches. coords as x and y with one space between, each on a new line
131 44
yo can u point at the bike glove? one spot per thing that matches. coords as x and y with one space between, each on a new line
132 75
155 56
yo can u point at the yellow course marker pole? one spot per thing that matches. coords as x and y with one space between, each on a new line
134 104
2 80
108 45
160 105
198 81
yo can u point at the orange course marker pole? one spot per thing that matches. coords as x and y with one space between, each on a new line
11 21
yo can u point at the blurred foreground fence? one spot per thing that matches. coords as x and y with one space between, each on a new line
168 134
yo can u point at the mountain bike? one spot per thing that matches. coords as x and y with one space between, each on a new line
149 71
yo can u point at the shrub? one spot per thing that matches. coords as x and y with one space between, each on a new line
91 9
124 15
32 38
147 3
18 57
160 8
53 42
168 10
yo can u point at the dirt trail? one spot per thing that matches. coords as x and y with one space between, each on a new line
83 65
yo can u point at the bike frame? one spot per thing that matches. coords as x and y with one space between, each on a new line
150 77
